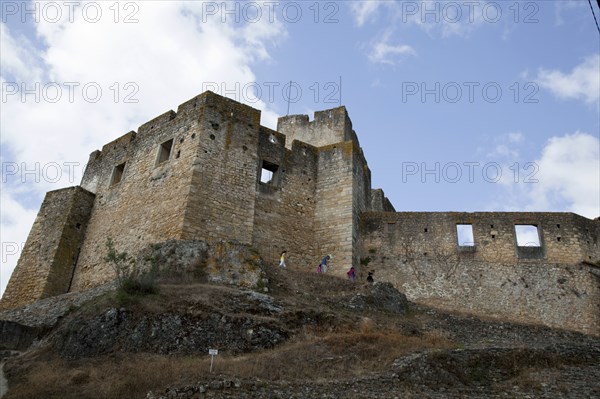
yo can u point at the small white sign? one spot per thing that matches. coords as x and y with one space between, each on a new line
212 353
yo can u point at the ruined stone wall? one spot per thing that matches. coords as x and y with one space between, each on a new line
48 259
420 255
379 202
285 207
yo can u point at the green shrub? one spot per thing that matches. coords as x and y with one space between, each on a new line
130 280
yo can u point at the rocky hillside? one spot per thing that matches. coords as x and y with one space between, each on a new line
280 333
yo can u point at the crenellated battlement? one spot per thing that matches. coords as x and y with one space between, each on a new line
328 127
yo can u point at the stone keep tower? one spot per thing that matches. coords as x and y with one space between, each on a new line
209 172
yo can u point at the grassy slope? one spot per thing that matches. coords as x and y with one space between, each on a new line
339 344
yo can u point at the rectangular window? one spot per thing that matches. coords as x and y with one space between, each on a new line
117 174
164 152
464 234
268 173
527 235
266 176
529 245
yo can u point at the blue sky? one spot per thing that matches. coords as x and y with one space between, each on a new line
466 106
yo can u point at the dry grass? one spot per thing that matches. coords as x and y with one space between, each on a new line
338 344
117 377
337 355
314 356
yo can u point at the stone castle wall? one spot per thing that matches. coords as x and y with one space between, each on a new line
224 165
555 284
47 262
285 207
199 174
343 182
328 127
147 202
195 174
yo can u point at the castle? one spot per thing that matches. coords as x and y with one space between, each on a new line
211 172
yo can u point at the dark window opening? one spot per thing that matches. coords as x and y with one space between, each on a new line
557 238
492 226
164 152
425 229
493 236
268 173
117 174
390 226
464 234
178 154
558 226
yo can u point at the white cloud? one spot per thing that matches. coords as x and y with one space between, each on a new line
506 147
569 174
561 8
16 223
515 137
365 10
168 56
437 19
433 16
18 59
382 52
564 178
582 83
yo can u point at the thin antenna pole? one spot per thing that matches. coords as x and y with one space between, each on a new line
594 14
289 96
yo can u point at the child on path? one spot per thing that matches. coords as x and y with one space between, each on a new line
351 274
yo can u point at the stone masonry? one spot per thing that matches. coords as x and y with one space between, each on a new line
211 172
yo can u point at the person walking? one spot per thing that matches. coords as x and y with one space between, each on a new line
282 259
351 274
324 263
370 278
